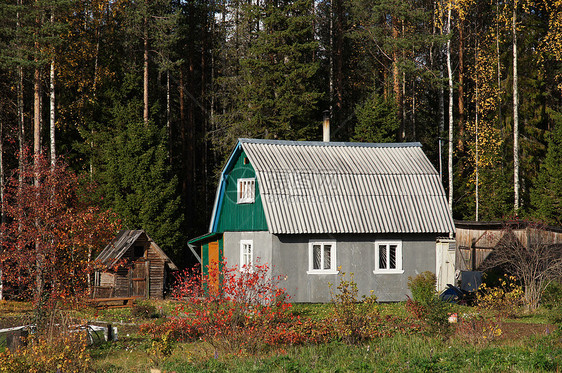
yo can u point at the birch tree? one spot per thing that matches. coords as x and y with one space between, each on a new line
515 113
450 80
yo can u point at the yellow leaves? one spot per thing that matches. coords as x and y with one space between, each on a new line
503 299
66 353
462 7
552 43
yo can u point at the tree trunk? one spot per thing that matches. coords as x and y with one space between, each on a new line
441 121
37 111
515 115
2 221
168 114
498 62
52 105
414 110
450 72
331 58
338 59
461 121
396 78
477 169
145 70
21 127
183 134
36 152
20 113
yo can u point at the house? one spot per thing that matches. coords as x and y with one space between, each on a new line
308 209
132 264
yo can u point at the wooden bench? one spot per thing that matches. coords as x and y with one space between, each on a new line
117 302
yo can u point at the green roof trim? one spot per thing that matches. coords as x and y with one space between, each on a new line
203 238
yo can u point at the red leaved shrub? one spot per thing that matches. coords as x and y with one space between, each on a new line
247 311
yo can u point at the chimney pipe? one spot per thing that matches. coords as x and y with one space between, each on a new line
326 126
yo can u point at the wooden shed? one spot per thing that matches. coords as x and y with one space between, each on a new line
132 264
475 240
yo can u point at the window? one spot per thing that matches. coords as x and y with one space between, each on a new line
246 254
322 257
388 257
246 190
138 251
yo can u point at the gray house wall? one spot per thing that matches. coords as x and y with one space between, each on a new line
262 246
288 255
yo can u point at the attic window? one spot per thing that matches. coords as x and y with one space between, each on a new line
246 190
138 251
246 161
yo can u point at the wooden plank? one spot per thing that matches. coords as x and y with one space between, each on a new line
147 279
118 302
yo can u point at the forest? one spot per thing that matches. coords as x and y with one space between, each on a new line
138 103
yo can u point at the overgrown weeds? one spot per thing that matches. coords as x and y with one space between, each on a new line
59 344
426 305
355 319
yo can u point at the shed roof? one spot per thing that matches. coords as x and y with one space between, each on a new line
335 187
114 251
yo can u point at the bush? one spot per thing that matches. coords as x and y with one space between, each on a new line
160 349
504 299
64 353
477 329
246 313
355 321
552 295
426 305
145 311
423 287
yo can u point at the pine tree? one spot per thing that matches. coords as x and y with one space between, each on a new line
136 179
546 196
376 120
275 95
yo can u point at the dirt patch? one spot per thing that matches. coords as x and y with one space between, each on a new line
514 331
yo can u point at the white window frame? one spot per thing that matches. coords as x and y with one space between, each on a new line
246 190
333 256
386 244
244 255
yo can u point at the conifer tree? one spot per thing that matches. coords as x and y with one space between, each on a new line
376 120
546 196
136 178
276 96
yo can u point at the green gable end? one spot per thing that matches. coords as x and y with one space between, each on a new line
236 216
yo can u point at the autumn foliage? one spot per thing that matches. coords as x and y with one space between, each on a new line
51 232
67 352
248 312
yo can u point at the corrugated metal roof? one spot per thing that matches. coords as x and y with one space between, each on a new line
317 187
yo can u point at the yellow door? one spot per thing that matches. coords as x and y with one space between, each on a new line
213 267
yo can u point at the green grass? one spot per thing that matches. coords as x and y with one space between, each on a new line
414 352
400 353
540 316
